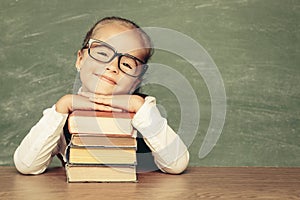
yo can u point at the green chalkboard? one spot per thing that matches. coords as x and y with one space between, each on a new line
254 44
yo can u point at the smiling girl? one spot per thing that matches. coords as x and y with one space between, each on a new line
111 62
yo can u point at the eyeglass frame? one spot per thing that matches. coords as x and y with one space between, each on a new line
89 42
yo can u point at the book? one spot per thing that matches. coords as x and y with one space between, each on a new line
101 173
98 140
100 122
102 147
100 155
95 149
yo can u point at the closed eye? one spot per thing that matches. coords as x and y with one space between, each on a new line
102 53
127 65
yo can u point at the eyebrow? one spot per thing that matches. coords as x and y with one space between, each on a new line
109 45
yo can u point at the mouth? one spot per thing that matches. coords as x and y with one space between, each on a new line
107 79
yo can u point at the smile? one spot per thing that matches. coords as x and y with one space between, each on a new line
108 80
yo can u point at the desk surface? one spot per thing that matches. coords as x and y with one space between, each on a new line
195 183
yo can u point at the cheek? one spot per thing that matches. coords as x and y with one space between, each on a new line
87 71
126 84
90 66
125 81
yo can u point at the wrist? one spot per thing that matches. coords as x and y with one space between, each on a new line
64 104
138 102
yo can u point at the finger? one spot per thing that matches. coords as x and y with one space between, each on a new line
116 101
86 94
116 110
107 108
101 100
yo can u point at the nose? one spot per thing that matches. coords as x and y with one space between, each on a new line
113 66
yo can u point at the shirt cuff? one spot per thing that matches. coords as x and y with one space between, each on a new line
148 120
56 116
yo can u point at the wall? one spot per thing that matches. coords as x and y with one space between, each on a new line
254 44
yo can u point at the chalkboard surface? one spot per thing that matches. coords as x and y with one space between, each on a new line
254 44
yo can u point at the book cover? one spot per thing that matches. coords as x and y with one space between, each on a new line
101 173
101 155
96 140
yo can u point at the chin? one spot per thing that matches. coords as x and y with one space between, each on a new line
102 92
99 90
107 91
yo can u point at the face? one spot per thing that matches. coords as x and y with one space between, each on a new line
106 78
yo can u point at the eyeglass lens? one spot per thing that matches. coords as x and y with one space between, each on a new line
104 53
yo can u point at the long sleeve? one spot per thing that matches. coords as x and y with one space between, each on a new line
169 152
44 140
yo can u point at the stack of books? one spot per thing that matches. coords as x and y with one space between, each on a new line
102 147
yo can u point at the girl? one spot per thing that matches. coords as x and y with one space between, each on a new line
111 63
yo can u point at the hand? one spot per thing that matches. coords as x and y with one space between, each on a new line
69 103
129 103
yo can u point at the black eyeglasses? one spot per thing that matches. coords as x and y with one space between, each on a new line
104 53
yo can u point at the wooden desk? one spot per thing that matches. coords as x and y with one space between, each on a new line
195 183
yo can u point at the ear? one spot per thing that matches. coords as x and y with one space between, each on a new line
78 60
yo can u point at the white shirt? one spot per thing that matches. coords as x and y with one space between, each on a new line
46 139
